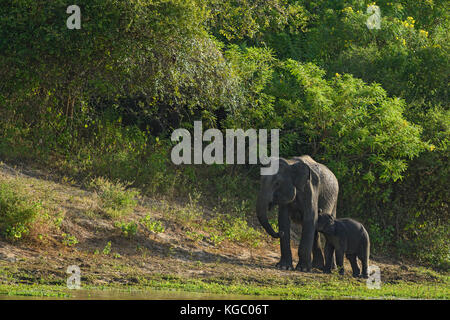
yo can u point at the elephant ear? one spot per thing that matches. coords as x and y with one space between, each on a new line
330 226
305 175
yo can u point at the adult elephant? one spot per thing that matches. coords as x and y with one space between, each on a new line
301 188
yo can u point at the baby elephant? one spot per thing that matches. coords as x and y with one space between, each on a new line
344 236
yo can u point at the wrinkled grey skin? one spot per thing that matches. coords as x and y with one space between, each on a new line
345 236
301 188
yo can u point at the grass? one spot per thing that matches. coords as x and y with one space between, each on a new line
333 288
38 291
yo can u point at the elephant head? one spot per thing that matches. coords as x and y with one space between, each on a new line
325 223
280 188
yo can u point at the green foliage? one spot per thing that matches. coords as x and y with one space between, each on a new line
422 199
253 69
157 50
194 236
380 237
359 132
427 241
151 225
17 212
69 240
107 249
127 229
216 239
115 200
252 19
236 229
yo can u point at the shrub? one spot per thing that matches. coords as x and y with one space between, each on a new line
18 212
115 200
216 239
428 243
107 249
151 225
128 229
236 229
69 240
381 238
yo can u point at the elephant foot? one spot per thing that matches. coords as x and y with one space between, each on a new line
364 276
318 264
327 271
284 265
302 268
356 275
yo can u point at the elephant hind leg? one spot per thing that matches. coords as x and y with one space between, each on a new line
329 257
333 262
354 264
364 265
364 257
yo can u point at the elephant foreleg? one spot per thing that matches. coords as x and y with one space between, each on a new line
340 260
305 247
284 225
329 257
317 253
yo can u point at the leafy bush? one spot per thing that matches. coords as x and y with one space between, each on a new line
115 200
17 212
421 205
216 239
381 237
107 249
236 229
69 240
249 19
151 225
431 245
128 229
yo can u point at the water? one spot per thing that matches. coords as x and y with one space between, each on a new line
84 294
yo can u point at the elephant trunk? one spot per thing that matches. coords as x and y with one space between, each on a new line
261 212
